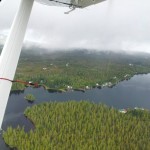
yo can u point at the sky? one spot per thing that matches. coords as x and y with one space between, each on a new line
117 25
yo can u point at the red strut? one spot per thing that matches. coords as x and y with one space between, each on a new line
19 81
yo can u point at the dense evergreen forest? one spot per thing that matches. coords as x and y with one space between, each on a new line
81 126
78 69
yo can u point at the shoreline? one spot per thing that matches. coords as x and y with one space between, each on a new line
80 89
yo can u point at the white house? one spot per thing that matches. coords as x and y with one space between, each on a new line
124 111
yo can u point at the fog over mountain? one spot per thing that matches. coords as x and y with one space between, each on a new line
118 25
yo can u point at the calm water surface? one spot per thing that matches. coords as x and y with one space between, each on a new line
127 94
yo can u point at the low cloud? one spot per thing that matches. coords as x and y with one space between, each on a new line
112 25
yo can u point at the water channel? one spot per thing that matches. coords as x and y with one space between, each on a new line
127 94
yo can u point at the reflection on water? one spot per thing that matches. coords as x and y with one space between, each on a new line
17 92
127 94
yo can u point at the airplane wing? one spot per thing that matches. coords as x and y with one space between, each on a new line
86 3
66 3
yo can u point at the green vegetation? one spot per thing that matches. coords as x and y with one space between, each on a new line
81 126
30 97
78 69
52 89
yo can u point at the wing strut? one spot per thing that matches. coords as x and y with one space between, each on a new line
11 52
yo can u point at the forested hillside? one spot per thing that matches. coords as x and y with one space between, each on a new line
79 68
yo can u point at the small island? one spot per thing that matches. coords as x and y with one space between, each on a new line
30 98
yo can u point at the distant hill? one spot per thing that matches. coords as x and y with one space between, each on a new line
137 58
